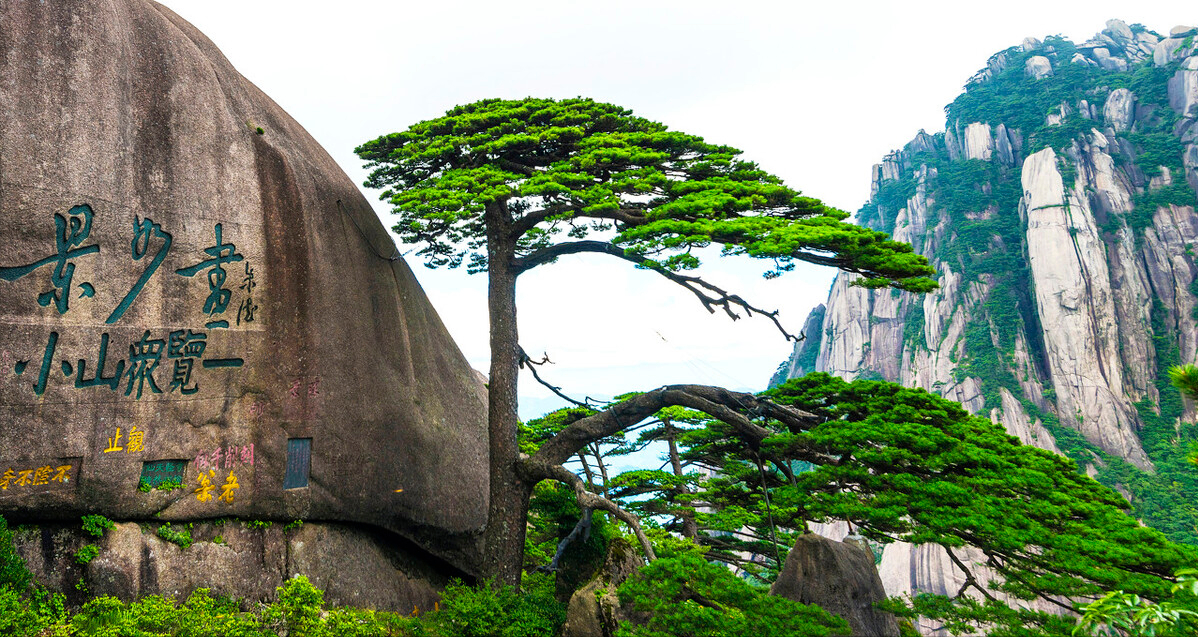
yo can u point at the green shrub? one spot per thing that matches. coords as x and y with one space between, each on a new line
206 616
686 595
13 572
258 524
485 611
102 616
97 524
16 618
86 554
299 608
353 622
39 614
293 525
156 615
181 538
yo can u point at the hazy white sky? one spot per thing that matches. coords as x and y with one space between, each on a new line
814 92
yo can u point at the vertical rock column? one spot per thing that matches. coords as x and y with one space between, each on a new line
1076 307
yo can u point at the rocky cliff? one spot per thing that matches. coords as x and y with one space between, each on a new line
1059 209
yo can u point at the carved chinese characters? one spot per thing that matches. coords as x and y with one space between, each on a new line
174 354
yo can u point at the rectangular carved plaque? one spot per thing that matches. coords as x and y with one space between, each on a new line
299 462
21 477
156 472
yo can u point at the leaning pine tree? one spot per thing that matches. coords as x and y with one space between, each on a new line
505 186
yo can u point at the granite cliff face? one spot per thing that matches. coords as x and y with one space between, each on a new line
191 291
1059 209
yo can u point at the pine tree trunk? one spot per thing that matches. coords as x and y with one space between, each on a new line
508 510
689 527
602 467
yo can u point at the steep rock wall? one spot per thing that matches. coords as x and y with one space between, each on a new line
1059 210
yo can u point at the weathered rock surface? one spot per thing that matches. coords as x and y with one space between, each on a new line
1120 109
1076 308
1183 88
594 610
1038 67
978 142
841 579
193 290
355 565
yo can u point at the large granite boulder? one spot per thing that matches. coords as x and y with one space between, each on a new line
192 291
840 578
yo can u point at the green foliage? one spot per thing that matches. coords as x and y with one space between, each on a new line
971 616
918 468
913 326
257 524
553 512
86 553
168 486
686 596
298 609
1156 149
154 616
40 614
178 537
97 524
144 487
293 525
299 612
1146 203
535 432
891 197
1185 379
13 572
809 347
25 610
497 611
577 167
780 374
1119 613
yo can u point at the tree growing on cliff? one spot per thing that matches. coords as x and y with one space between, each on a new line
506 186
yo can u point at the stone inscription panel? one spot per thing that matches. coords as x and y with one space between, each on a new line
299 463
24 477
156 472
62 271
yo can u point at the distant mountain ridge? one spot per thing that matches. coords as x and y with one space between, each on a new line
1059 209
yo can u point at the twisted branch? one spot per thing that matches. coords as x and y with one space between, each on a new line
711 296
535 471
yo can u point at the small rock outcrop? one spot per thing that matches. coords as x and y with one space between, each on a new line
1120 110
840 578
1038 67
234 559
594 610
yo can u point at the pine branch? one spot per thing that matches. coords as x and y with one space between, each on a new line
535 471
712 297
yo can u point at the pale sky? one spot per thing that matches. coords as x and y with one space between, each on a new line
814 92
